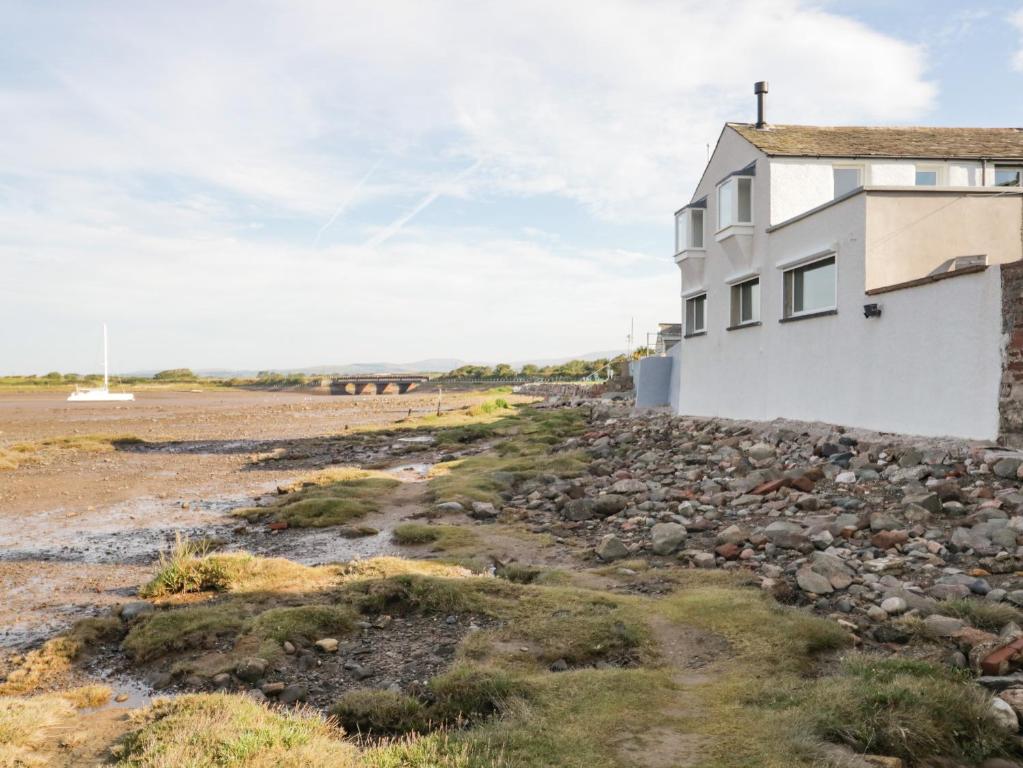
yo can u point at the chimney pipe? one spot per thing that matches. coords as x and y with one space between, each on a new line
760 89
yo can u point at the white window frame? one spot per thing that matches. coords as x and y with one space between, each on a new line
937 170
693 331
786 290
686 214
731 186
859 167
735 305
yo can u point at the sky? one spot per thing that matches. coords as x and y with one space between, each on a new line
256 185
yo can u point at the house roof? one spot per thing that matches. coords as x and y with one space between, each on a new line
866 141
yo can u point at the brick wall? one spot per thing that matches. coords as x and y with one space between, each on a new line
1010 402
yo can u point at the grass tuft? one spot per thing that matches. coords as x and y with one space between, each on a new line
377 712
333 497
981 614
908 709
443 537
221 730
188 568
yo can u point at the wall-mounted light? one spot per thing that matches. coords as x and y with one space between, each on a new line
872 310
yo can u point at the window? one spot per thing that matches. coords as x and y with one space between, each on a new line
735 202
696 228
1009 177
688 229
810 288
696 315
926 177
746 302
847 178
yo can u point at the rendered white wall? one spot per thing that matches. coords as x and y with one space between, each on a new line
931 365
799 184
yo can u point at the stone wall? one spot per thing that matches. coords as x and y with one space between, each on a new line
1010 396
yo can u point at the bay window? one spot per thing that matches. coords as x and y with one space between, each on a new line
735 201
689 229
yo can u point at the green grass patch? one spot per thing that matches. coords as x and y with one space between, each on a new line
523 453
442 537
182 629
334 497
908 709
225 731
981 614
306 623
377 712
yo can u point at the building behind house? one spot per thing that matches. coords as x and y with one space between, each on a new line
864 276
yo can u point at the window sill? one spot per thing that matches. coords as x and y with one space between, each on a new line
809 316
733 230
743 325
694 335
690 253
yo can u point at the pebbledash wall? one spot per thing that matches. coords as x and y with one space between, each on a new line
932 363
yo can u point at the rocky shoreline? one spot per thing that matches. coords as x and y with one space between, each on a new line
913 545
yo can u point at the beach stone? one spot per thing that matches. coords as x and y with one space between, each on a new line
894 606
812 582
611 548
1003 713
251 669
666 537
609 504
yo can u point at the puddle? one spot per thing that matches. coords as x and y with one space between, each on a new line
424 439
411 472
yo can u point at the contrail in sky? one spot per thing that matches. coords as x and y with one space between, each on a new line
440 189
345 203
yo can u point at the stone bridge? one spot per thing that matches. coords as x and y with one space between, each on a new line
375 384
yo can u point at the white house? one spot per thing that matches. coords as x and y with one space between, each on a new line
862 276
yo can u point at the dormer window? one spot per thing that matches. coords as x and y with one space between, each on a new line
689 230
846 178
735 201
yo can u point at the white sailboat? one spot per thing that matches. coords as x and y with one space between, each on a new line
100 394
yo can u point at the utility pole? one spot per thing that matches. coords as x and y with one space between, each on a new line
632 329
440 391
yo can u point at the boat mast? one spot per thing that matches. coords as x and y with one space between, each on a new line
106 374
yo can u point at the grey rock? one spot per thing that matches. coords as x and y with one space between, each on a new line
580 509
611 548
250 669
1007 468
609 504
666 537
293 693
812 582
943 626
629 485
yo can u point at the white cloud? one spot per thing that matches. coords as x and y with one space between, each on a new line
1016 20
151 152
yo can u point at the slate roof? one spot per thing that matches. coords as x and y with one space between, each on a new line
867 141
